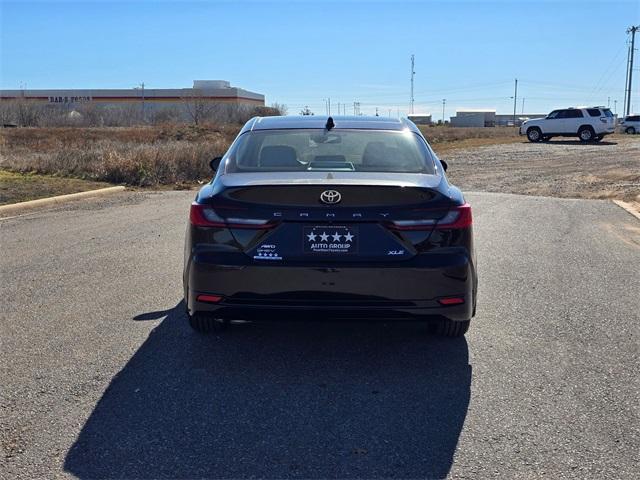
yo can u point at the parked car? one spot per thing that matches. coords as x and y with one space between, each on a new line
630 124
588 124
319 218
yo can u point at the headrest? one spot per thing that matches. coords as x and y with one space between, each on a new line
278 156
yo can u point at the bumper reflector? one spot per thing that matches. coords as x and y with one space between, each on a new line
451 301
209 298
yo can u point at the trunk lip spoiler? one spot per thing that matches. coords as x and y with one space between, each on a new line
421 180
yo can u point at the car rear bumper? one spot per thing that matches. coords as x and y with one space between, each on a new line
404 290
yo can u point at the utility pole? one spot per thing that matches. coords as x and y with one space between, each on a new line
608 102
522 112
444 101
377 112
626 80
141 87
632 30
615 107
413 72
327 106
515 100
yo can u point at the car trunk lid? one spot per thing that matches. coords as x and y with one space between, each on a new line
367 223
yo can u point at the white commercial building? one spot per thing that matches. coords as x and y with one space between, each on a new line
213 91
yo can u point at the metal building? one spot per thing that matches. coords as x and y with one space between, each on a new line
488 118
214 91
421 119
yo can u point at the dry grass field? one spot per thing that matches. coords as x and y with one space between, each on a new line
564 168
149 156
444 139
17 187
138 156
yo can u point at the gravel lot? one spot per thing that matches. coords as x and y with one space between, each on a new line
560 168
102 377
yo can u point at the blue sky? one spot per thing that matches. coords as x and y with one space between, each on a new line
300 53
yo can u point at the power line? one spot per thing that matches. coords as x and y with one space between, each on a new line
602 82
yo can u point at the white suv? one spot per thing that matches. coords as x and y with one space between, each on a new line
588 124
630 124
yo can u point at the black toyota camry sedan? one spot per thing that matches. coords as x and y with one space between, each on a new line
321 218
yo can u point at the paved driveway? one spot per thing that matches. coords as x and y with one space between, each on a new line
101 376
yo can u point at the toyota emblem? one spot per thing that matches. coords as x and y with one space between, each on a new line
330 197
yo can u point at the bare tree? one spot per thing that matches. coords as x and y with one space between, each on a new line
306 111
7 113
167 115
26 113
266 111
198 107
92 114
281 108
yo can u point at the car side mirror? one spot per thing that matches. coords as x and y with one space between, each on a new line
444 165
215 163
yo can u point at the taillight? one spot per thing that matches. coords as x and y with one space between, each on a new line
205 216
458 217
426 224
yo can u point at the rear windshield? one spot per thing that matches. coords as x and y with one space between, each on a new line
335 150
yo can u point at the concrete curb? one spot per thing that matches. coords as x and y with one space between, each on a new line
43 202
629 207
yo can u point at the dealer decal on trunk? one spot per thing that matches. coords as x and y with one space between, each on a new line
331 239
267 252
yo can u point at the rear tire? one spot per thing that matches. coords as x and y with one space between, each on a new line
449 328
534 134
630 130
586 134
203 323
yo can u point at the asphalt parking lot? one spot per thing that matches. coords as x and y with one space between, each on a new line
102 377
